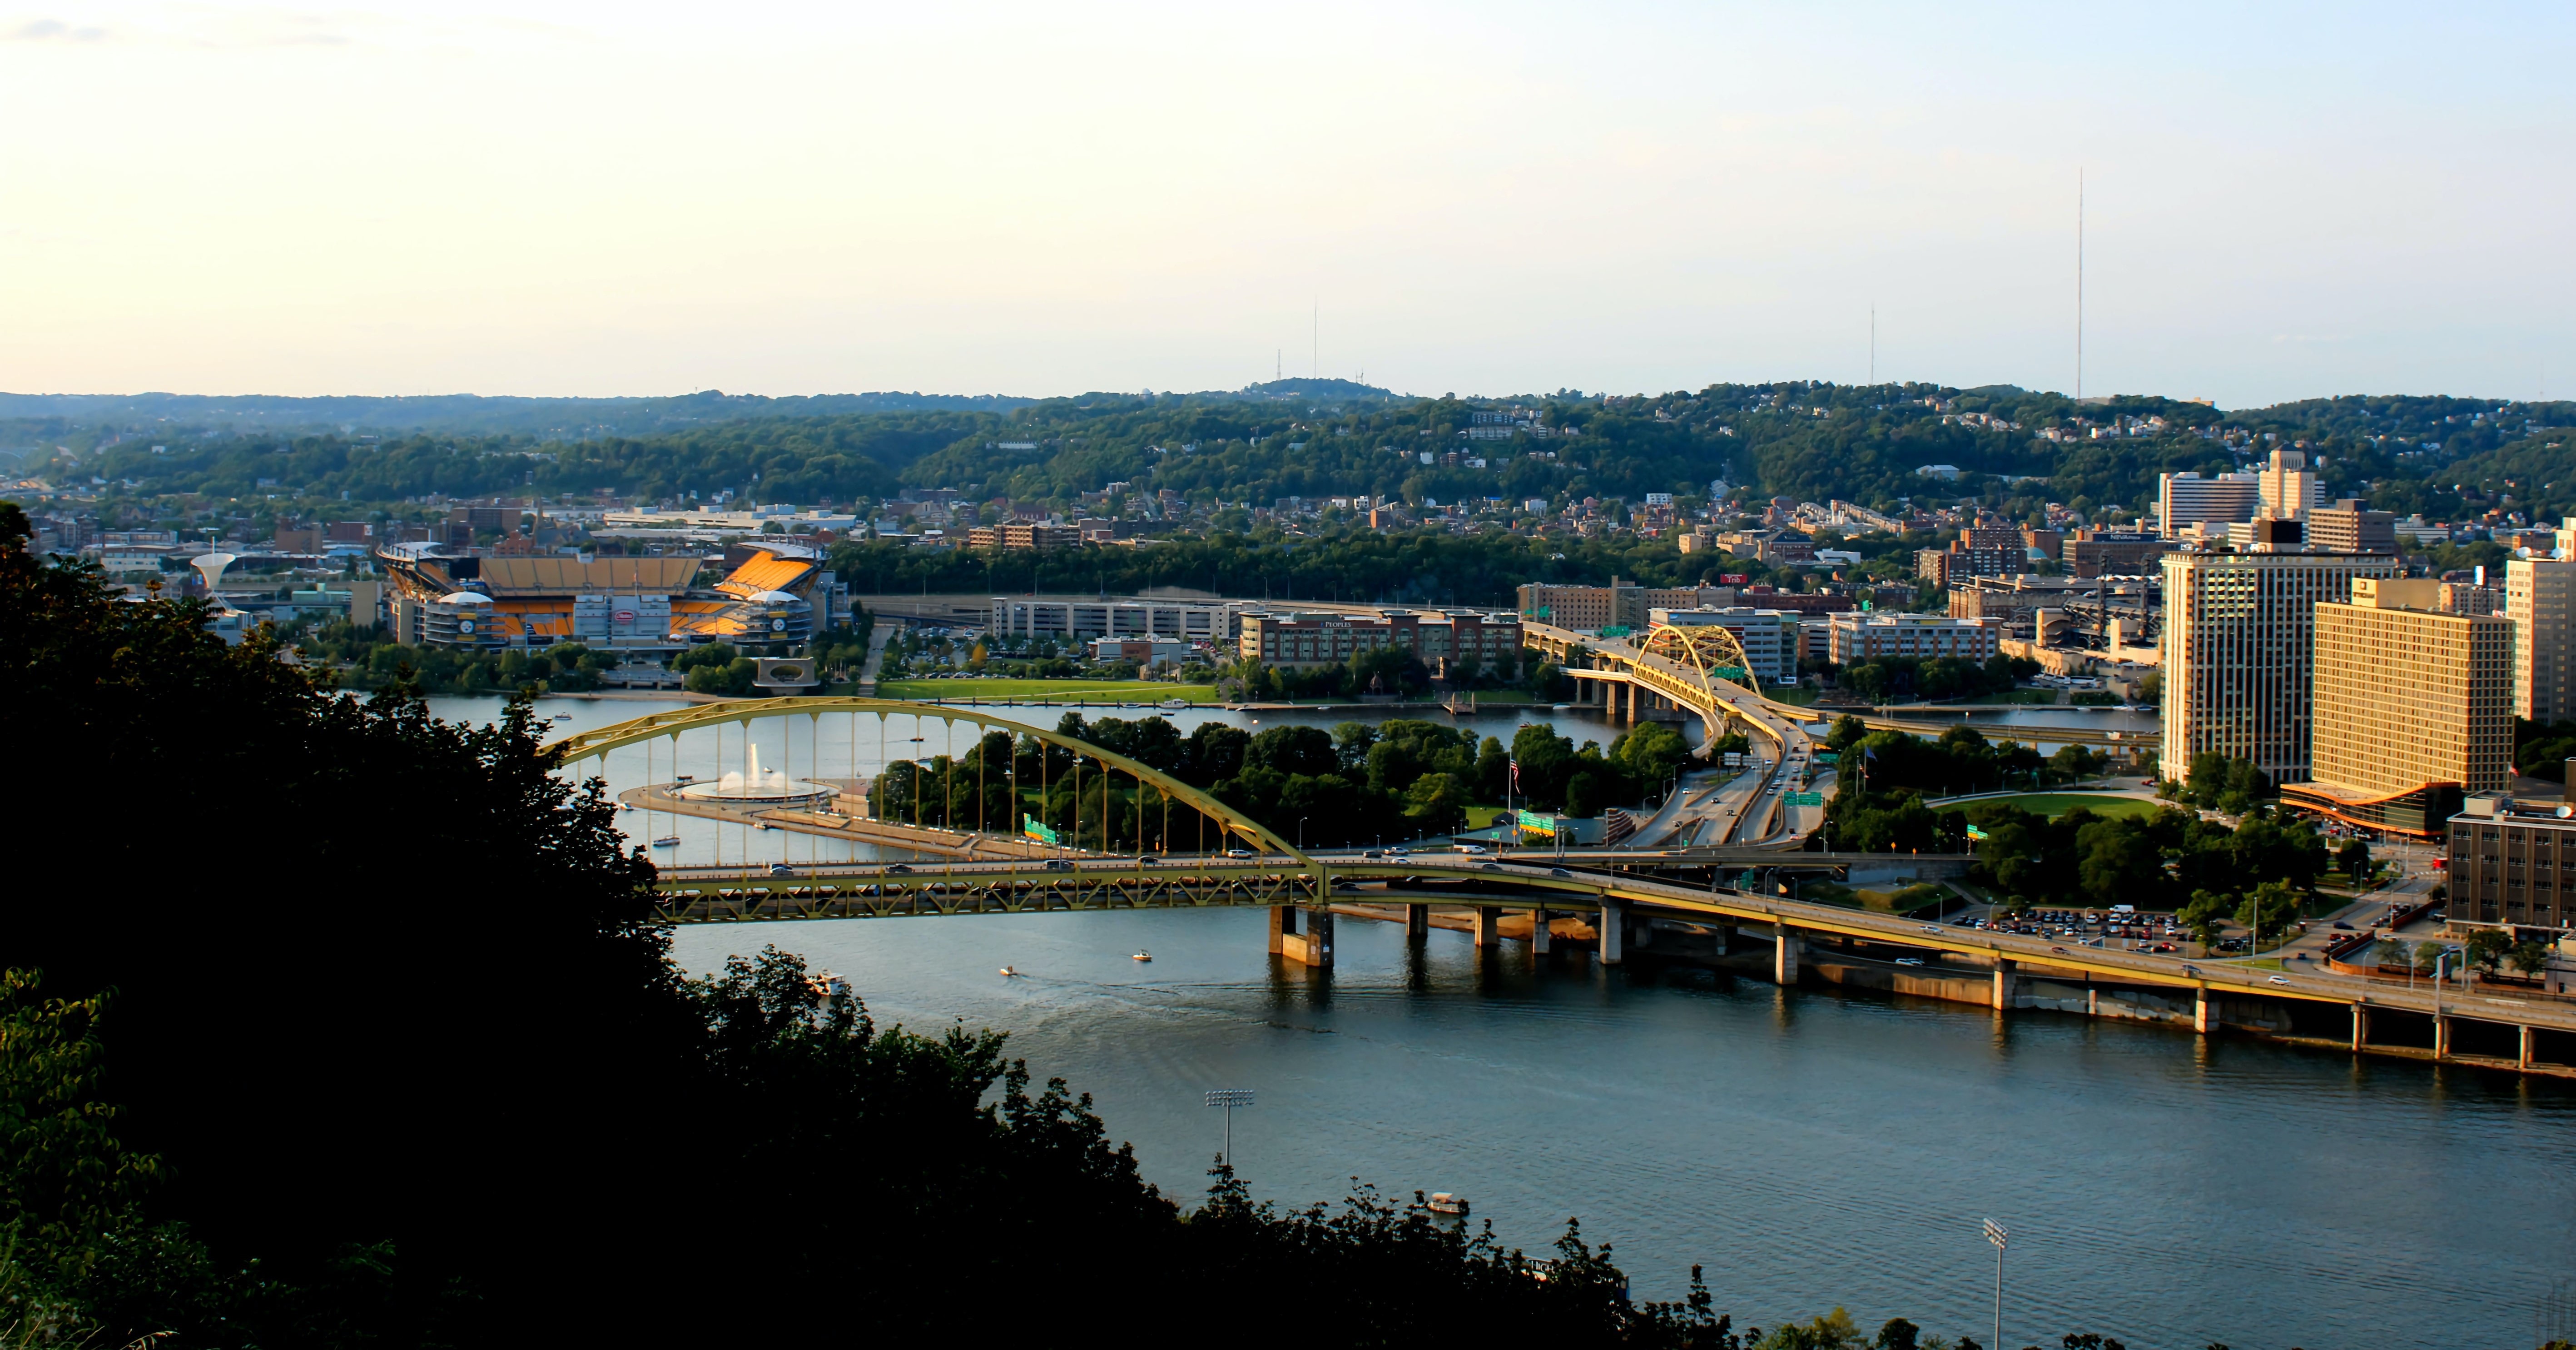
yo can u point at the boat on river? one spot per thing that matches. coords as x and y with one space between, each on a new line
1142 956
667 841
1442 1202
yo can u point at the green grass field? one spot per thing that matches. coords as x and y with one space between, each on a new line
2059 803
1050 691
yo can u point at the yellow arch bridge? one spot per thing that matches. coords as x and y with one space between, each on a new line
1250 866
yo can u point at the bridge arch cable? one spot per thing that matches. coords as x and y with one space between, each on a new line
599 741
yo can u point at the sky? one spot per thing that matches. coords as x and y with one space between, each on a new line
2278 202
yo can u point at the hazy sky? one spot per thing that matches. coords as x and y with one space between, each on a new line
1048 198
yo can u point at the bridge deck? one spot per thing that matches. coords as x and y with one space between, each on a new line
704 895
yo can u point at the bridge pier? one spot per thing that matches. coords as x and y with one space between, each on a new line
1538 932
2200 1011
2006 976
1489 925
1314 947
2360 1028
1417 922
1784 955
2441 1037
1283 921
2522 1055
1614 934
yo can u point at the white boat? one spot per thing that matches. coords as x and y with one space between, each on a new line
1142 956
1173 703
1009 971
1442 1202
764 825
1560 707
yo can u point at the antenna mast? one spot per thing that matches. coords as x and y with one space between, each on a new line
1873 344
2079 285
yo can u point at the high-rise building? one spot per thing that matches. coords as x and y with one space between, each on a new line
2184 499
2346 527
2540 598
2413 707
2240 653
2288 489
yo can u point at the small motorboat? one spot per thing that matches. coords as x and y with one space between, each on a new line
763 825
667 841
1560 707
1442 1202
626 806
1009 970
1173 703
563 717
1142 956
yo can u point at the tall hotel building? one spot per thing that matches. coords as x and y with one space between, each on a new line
2540 598
2414 707
2240 652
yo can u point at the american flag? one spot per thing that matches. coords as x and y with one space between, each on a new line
1516 773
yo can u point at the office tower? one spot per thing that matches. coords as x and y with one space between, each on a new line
2240 653
2413 706
2185 499
2346 527
2288 489
2537 595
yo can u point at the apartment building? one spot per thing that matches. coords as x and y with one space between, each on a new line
2540 598
2240 653
1085 618
1454 642
1855 638
1024 535
2413 707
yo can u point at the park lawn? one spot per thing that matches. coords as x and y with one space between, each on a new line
2055 804
1047 691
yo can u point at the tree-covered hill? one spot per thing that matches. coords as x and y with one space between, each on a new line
2015 448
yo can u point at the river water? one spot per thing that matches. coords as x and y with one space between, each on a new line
1809 1148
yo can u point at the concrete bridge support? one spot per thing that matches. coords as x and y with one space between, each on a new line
2441 1037
1489 926
2522 1055
1417 922
1784 955
1614 938
2360 1027
2201 1012
1313 947
2007 975
1538 932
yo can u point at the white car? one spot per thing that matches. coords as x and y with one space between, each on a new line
1473 849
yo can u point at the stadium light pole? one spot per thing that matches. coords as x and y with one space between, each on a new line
1229 1098
1995 1234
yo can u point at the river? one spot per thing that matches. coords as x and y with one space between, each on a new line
1810 1148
